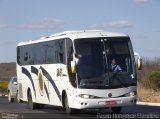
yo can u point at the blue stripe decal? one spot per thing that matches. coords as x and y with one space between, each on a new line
26 72
46 91
47 75
35 71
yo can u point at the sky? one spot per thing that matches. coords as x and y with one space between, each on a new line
24 20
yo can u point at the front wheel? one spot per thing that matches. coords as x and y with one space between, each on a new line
40 106
66 106
31 104
116 110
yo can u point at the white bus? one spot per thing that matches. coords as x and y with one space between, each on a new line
73 70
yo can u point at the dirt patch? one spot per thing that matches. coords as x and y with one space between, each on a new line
148 95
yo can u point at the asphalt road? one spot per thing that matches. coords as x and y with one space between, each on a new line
20 111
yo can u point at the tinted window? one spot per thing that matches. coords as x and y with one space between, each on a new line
42 53
14 80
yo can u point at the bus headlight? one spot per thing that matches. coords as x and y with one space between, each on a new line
86 96
132 93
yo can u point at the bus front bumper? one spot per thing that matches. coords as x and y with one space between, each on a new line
104 103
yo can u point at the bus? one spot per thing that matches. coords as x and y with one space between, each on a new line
72 70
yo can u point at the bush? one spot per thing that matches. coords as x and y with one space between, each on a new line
153 80
3 86
3 90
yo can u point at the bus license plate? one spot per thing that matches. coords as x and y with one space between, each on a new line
111 102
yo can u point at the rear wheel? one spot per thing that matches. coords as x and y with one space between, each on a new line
116 110
31 104
66 106
10 99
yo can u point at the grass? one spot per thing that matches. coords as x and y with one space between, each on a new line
148 95
149 81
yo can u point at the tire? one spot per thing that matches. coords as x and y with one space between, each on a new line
40 106
116 110
31 104
10 99
66 106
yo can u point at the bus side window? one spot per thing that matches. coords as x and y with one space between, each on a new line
18 55
60 52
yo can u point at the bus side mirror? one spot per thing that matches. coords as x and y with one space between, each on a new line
140 64
73 66
138 61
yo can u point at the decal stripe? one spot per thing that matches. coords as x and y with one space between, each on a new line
35 71
47 75
46 91
26 72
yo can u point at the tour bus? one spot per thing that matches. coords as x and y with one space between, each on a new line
73 70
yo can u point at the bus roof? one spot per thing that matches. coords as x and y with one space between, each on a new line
76 35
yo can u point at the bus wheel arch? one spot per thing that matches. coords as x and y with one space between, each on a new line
65 103
63 98
31 104
28 91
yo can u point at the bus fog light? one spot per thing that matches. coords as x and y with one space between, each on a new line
86 96
131 93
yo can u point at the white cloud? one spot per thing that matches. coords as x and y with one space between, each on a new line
4 26
113 24
141 1
44 23
39 24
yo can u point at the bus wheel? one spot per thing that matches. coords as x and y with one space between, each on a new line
10 99
40 106
116 110
31 105
66 106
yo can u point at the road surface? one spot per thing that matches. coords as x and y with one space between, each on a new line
20 111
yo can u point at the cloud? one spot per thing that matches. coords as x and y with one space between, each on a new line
44 23
141 1
113 24
4 26
39 24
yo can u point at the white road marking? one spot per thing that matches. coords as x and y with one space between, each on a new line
148 103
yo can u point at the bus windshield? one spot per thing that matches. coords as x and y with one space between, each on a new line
105 63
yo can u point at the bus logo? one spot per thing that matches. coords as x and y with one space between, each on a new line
40 82
110 95
59 72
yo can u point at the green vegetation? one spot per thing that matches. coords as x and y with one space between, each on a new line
153 80
149 81
149 77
